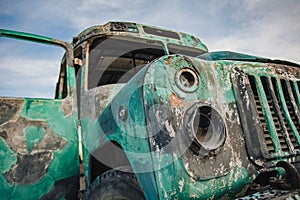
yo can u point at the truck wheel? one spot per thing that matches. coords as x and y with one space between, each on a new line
115 184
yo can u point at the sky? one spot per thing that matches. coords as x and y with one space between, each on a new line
266 28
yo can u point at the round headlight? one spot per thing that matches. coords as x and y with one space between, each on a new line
187 80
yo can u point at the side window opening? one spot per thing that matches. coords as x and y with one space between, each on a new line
29 69
116 60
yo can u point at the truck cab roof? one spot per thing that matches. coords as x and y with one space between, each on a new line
141 31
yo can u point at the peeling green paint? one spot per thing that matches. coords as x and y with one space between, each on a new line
36 138
33 135
44 116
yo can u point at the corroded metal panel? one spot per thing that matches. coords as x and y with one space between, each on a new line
183 169
38 144
207 127
153 119
267 93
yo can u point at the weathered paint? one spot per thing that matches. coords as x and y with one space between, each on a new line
151 119
112 128
100 125
35 38
162 76
33 135
42 143
269 70
39 142
185 39
157 99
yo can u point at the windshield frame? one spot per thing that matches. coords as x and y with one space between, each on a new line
166 47
114 50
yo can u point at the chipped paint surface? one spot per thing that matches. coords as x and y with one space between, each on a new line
39 141
227 171
35 137
165 156
165 105
206 127
181 184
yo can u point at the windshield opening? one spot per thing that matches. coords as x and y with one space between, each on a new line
116 60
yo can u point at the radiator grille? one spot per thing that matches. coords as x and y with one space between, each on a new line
277 103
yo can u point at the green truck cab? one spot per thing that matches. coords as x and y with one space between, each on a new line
142 112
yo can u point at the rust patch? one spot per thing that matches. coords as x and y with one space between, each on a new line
67 106
8 110
285 71
16 140
3 134
33 156
176 101
168 61
29 168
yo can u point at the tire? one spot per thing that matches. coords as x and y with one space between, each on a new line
115 184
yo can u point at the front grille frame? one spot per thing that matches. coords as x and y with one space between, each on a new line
270 117
280 113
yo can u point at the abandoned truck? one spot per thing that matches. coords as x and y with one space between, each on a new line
149 113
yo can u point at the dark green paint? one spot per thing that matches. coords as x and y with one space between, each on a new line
34 38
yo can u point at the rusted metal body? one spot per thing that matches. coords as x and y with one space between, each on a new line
191 124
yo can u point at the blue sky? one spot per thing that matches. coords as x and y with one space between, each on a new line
268 28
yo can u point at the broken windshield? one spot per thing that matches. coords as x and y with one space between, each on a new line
117 60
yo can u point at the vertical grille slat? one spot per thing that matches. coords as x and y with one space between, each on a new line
275 112
291 111
279 120
297 92
267 136
284 125
290 106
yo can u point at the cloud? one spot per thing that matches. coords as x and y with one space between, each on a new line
34 78
258 27
269 29
28 69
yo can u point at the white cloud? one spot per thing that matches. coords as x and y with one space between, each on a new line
258 27
270 30
31 79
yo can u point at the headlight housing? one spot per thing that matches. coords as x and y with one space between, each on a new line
207 129
187 80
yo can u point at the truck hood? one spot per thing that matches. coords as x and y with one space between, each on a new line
234 56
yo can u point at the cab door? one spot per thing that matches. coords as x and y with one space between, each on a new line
38 136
